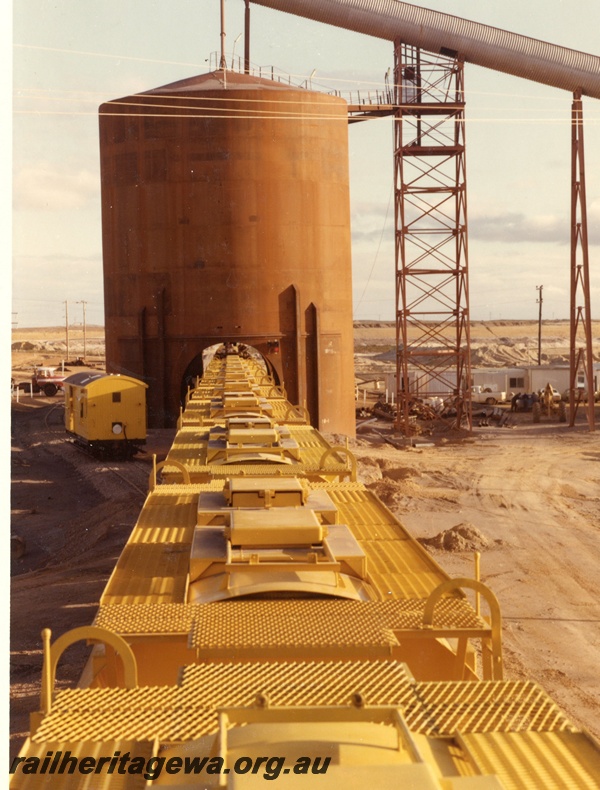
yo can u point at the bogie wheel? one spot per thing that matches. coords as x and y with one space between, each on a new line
562 411
50 390
537 412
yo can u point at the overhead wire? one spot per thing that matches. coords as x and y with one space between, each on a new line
66 51
377 84
245 111
55 301
378 87
468 121
302 77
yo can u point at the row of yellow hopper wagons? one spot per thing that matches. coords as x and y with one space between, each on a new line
271 617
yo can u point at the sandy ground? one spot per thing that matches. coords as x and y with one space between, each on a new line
527 495
493 344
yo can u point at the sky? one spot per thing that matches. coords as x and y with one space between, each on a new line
70 56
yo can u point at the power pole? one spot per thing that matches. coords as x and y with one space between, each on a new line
540 301
67 326
223 62
83 303
247 38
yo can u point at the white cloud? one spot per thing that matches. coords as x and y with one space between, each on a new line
514 227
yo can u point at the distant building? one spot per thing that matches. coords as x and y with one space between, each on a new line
530 378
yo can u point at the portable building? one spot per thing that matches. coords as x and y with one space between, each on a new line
501 379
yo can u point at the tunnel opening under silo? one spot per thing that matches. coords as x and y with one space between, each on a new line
197 366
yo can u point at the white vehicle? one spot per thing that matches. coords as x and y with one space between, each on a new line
580 394
485 395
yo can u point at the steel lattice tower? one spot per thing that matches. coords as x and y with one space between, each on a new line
432 293
581 327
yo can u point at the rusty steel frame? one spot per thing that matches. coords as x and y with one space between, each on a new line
580 315
432 292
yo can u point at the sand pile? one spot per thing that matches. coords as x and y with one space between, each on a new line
369 470
391 494
462 537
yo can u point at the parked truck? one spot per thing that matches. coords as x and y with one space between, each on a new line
486 395
43 379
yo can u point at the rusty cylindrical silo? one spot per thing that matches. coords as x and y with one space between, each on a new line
225 215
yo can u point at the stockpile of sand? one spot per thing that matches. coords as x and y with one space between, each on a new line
493 343
462 537
56 346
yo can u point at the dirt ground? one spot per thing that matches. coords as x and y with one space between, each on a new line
526 496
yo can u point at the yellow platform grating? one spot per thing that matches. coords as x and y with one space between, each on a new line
359 628
300 683
484 706
104 722
140 619
247 624
286 414
189 710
